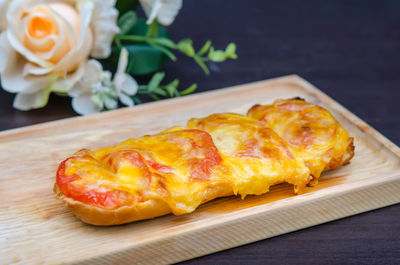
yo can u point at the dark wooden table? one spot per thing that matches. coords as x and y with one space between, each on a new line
349 49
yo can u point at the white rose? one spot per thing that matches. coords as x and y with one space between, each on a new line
164 10
46 44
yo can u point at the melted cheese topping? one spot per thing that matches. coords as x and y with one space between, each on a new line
219 155
256 156
177 167
311 131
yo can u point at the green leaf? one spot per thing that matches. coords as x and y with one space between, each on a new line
203 66
141 29
166 51
143 91
189 90
127 21
124 6
171 87
152 30
166 42
154 97
155 81
144 59
160 92
136 100
218 56
186 46
118 42
230 51
211 52
205 48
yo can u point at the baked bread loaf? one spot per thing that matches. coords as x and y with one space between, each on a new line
178 169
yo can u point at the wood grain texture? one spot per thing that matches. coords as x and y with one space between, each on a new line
37 228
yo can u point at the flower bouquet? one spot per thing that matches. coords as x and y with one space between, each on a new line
92 50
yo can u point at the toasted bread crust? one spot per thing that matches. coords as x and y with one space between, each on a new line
103 217
145 210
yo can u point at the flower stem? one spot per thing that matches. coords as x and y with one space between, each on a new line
185 46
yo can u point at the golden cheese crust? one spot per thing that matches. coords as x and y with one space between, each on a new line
174 171
178 169
257 157
310 130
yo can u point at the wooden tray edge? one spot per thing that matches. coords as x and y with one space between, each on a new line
263 225
214 238
231 234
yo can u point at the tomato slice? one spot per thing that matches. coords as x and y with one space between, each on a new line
195 150
103 197
159 167
201 167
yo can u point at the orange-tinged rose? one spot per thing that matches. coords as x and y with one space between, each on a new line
45 47
54 37
43 26
46 44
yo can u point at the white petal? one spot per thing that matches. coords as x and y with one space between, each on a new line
25 101
126 100
110 103
123 81
122 62
165 14
13 80
104 25
3 11
169 11
6 51
84 105
77 90
93 71
126 83
154 11
91 75
147 6
67 83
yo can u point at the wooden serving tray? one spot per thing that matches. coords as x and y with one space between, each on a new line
37 228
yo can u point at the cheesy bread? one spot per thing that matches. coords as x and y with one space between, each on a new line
174 171
312 133
256 156
178 169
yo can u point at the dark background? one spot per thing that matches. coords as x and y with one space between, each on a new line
349 49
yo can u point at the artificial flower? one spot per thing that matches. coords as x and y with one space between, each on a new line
95 91
46 44
164 11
